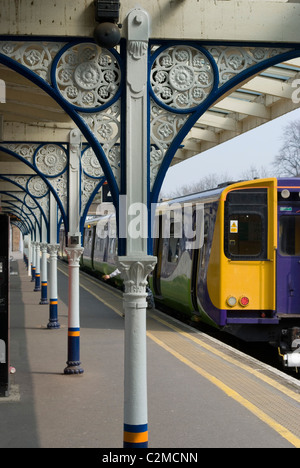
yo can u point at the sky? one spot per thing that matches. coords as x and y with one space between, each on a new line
257 148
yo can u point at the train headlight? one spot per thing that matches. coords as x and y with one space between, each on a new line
285 193
231 301
244 301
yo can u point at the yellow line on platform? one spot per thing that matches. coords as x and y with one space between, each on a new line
285 433
295 396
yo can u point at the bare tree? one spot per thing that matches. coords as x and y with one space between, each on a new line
287 161
205 183
255 173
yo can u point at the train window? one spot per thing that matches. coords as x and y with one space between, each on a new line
289 235
245 235
174 244
246 224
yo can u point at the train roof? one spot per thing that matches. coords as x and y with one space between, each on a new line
204 196
214 193
211 194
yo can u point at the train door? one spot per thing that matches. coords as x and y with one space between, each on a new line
288 258
198 229
157 251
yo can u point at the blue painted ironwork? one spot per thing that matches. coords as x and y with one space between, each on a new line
185 79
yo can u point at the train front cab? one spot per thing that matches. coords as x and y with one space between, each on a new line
242 267
254 270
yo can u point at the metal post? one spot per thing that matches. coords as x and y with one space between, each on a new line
135 365
53 311
38 267
53 248
29 256
136 264
74 252
33 267
44 292
73 362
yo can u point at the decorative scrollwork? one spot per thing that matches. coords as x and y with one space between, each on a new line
25 150
165 126
51 159
37 187
88 76
60 185
106 127
182 77
233 60
88 185
90 164
37 56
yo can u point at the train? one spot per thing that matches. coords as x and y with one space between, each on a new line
228 257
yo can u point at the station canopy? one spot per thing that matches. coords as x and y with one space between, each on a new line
29 114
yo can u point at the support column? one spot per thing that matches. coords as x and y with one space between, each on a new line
44 276
73 362
74 252
136 264
33 267
135 272
53 248
38 267
53 309
29 256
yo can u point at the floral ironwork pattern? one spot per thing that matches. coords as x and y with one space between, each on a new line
106 126
164 127
233 60
51 160
90 164
88 76
37 56
182 77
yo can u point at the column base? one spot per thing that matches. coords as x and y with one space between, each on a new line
53 324
44 301
44 298
37 282
73 368
135 436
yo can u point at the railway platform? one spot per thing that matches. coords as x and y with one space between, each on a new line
201 393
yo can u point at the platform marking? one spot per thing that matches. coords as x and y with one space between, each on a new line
264 378
295 396
284 432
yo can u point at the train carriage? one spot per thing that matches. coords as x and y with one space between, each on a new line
228 256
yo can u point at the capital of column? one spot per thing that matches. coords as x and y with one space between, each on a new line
74 254
138 37
135 271
53 249
44 246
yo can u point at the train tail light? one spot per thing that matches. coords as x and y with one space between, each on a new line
231 301
244 301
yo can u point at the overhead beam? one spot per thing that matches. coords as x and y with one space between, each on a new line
15 167
243 107
41 132
269 86
177 19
